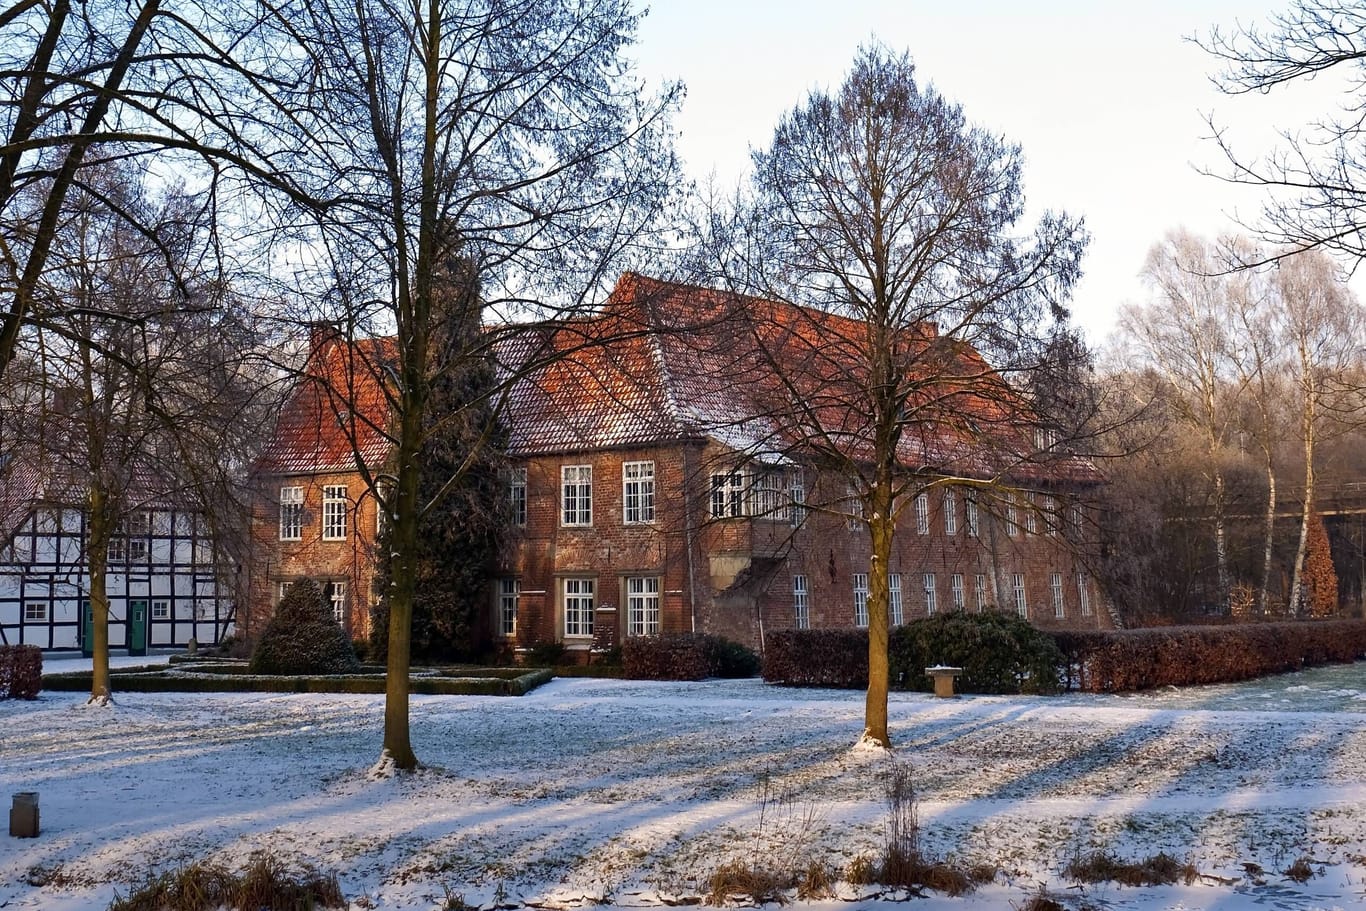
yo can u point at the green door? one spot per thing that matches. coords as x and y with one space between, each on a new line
137 627
87 630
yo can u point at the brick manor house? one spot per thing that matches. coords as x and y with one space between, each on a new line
652 490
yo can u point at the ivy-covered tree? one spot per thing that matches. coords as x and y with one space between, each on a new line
460 466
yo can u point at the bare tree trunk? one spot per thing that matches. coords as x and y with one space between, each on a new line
1307 422
881 524
1264 595
99 531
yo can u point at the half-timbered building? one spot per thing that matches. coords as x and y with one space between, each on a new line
162 579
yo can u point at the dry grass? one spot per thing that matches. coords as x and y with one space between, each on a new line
1102 866
737 878
816 883
266 883
1301 870
904 863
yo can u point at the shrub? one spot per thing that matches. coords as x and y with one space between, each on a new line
685 656
303 638
827 657
1120 661
545 654
998 652
21 671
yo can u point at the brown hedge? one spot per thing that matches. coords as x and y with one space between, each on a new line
21 671
824 657
685 656
1122 661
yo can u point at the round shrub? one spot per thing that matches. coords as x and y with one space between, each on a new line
998 652
303 638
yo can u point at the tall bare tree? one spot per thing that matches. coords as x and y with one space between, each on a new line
510 135
1316 181
1322 325
901 224
143 398
1187 334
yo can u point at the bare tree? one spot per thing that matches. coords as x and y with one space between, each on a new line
142 399
899 222
511 136
1316 181
1321 324
1188 335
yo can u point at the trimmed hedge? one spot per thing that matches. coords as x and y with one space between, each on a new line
817 657
179 682
1122 661
21 671
685 656
999 653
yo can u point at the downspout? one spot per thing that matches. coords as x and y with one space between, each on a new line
688 533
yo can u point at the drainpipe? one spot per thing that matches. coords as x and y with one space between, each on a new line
688 535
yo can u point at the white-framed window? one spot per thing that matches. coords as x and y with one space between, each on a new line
766 500
576 495
728 495
950 512
509 594
638 492
1031 515
956 590
1083 594
1055 583
1012 517
642 606
931 598
291 513
161 610
894 599
139 526
970 512
801 610
860 599
334 512
578 606
922 513
796 497
35 612
1049 508
1078 518
118 547
517 496
979 592
336 597
1044 439
1017 584
855 508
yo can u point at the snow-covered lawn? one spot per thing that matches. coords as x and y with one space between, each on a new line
631 794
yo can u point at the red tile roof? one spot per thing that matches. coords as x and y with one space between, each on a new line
337 414
664 362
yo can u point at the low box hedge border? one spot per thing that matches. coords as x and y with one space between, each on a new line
181 681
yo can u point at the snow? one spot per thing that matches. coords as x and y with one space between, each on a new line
630 794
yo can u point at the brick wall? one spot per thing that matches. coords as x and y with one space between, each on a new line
349 560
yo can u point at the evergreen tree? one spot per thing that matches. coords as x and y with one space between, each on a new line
302 637
459 539
1320 579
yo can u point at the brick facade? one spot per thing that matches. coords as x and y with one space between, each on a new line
280 559
719 548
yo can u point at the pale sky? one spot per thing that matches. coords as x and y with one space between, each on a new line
1106 100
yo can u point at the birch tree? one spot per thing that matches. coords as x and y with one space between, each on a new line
1321 324
1186 334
